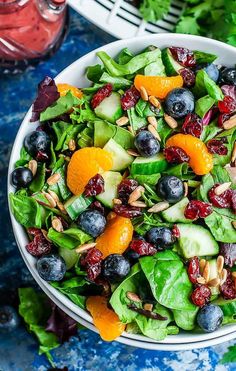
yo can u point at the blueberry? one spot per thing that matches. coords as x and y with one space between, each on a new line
92 222
170 188
21 177
51 267
212 71
210 317
228 76
115 267
37 141
146 144
160 237
9 319
132 256
179 102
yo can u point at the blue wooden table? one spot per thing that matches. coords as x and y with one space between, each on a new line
18 351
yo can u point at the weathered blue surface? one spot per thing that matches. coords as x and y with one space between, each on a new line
18 351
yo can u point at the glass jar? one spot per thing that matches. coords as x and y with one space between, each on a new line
30 30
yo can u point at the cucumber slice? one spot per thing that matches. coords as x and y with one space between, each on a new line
196 241
110 108
112 180
70 257
172 67
150 165
175 213
121 159
76 205
103 131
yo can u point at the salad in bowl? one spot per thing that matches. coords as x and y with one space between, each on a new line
127 191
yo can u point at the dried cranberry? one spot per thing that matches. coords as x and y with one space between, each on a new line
127 211
197 209
96 205
233 200
175 155
222 201
102 93
95 186
130 98
222 118
201 295
192 125
125 188
184 56
175 231
193 269
217 146
39 246
142 247
228 288
227 105
228 251
92 261
41 157
188 77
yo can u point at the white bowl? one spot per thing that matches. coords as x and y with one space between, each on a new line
75 75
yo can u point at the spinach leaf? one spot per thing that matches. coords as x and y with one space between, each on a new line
150 179
53 156
230 135
103 131
24 158
117 82
38 182
143 109
132 66
202 57
60 187
156 68
168 279
135 120
74 288
26 210
210 131
185 319
85 137
205 85
69 239
61 106
125 56
221 227
203 105
182 171
94 73
143 223
82 113
61 128
163 130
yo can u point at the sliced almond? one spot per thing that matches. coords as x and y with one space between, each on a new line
220 263
201 280
214 282
54 196
202 264
234 224
117 201
173 124
85 247
231 123
136 194
206 271
148 306
154 101
134 297
72 145
153 131
222 188
223 276
122 121
50 199
61 207
132 152
33 166
143 93
138 204
53 179
45 234
185 189
233 157
57 225
160 206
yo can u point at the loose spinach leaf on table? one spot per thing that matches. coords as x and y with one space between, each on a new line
69 239
61 106
168 279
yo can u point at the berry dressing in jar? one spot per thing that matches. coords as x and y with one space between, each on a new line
29 30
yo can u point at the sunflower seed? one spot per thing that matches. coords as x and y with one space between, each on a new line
61 207
136 194
220 263
185 189
233 157
201 280
231 123
122 121
154 101
132 296
148 306
222 188
72 145
57 225
50 199
202 264
143 93
53 179
117 201
131 152
223 276
214 282
160 206
206 271
152 120
138 204
45 234
153 131
85 247
54 196
33 166
170 121
234 224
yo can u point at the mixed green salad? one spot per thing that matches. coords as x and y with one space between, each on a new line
127 191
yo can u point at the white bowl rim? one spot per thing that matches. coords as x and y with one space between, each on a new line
20 234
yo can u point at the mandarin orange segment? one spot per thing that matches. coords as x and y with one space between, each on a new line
201 161
116 237
159 86
64 88
106 320
84 164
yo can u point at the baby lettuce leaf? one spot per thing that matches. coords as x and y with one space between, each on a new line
82 113
69 239
205 85
230 136
124 56
26 210
61 106
182 171
185 319
210 131
38 182
135 120
168 279
202 57
221 227
117 82
163 130
24 158
203 105
60 129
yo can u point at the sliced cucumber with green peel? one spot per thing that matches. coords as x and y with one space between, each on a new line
70 257
110 108
195 240
175 213
172 67
121 159
76 205
149 165
111 179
